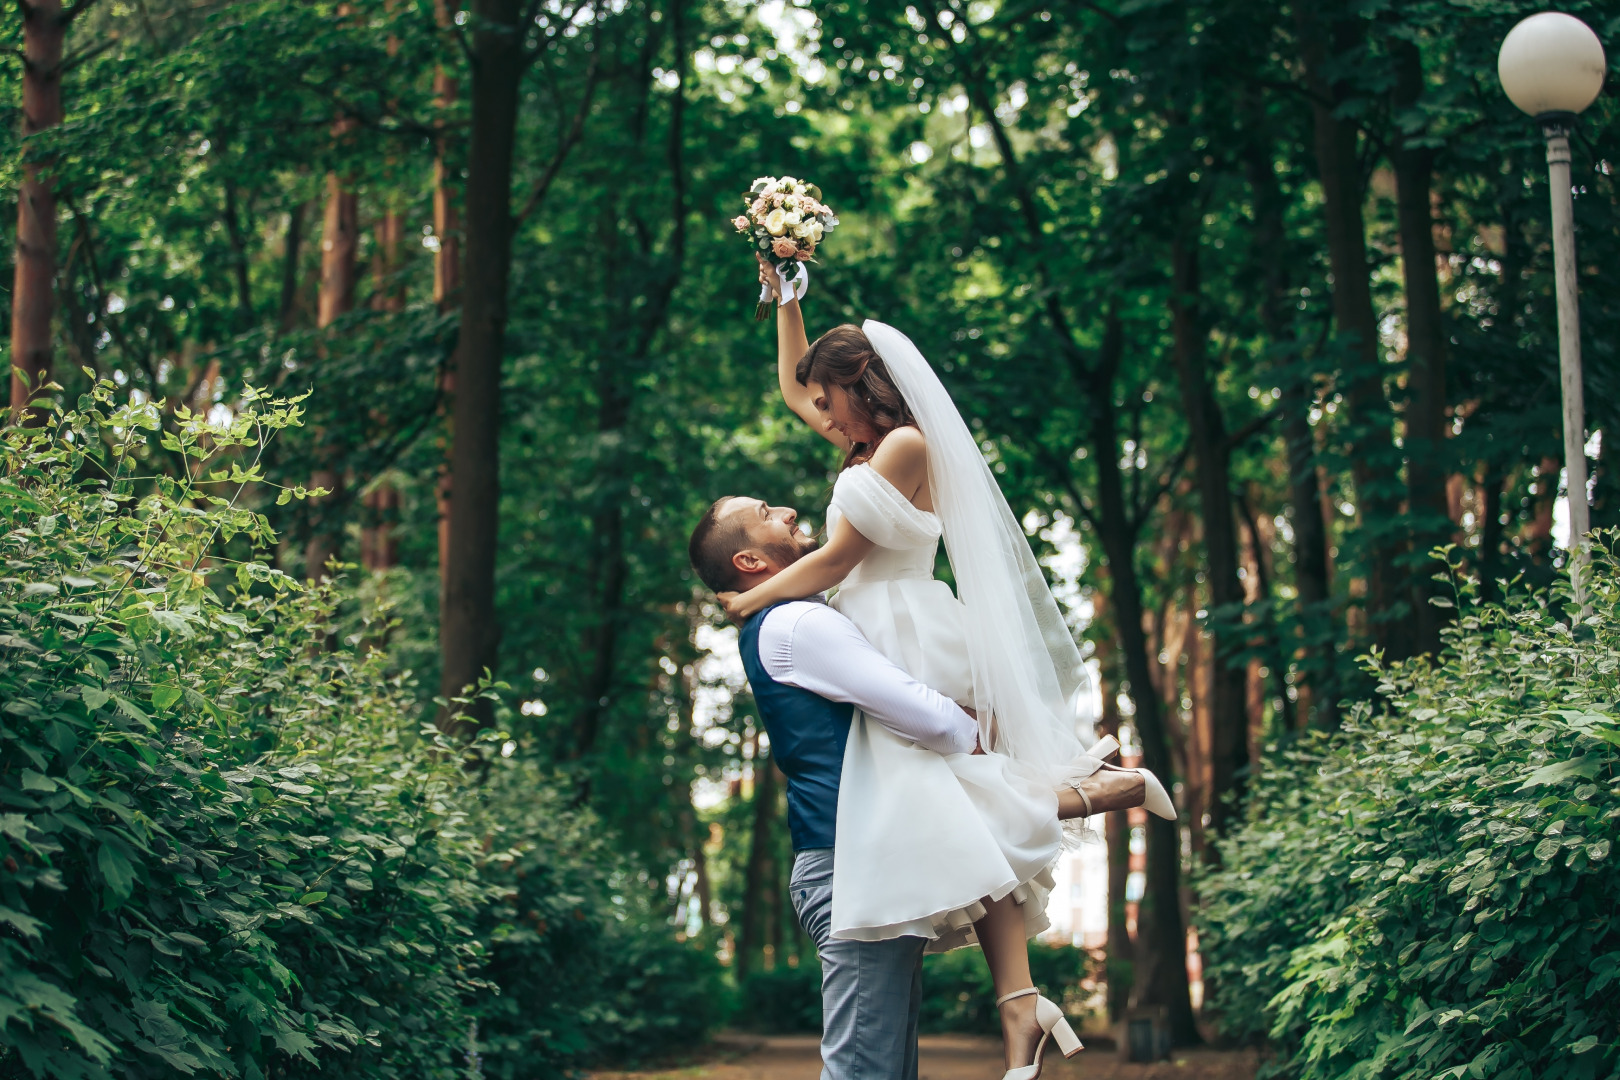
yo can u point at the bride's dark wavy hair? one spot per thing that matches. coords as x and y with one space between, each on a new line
844 357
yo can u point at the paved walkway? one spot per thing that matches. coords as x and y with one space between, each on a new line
944 1057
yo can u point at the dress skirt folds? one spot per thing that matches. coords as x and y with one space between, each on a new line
924 837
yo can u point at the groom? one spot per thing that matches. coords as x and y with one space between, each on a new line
809 668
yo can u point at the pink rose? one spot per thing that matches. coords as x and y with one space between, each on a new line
740 222
784 248
803 254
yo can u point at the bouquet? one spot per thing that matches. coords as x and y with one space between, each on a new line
785 219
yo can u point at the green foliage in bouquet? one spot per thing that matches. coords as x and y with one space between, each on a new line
1433 892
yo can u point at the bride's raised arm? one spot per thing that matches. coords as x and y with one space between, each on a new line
792 343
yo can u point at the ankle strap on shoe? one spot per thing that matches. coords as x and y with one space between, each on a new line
1025 992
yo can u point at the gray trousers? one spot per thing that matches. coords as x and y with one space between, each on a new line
870 990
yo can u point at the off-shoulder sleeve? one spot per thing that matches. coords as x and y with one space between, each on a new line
879 512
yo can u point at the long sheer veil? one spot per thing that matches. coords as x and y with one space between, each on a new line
1027 671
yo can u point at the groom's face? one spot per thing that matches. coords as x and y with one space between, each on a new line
775 541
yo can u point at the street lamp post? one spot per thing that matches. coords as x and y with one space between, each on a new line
1552 67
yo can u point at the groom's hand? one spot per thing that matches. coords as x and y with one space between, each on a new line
978 747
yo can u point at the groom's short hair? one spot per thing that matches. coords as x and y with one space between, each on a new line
714 541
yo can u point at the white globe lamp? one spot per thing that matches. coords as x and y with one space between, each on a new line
1551 63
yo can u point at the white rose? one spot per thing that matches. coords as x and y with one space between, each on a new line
801 231
786 183
775 222
814 232
794 217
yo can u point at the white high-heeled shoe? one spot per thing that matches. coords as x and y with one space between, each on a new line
1054 1026
1154 797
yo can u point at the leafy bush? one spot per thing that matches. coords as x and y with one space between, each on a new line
588 968
220 850
957 992
1432 892
225 849
783 1000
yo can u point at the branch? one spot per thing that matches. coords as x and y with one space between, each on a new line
73 12
1140 512
1253 427
71 62
564 145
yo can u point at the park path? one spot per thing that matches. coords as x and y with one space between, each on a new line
943 1057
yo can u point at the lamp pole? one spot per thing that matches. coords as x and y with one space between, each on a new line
1556 127
1552 67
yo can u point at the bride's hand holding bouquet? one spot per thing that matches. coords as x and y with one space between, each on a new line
785 220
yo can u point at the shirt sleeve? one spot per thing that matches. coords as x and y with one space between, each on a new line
815 648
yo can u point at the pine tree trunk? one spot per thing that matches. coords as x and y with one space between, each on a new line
1426 349
469 635
340 244
446 280
1375 465
756 885
1228 704
379 548
292 244
1117 833
1316 653
33 295
1161 953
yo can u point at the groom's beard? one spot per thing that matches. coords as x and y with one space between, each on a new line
787 552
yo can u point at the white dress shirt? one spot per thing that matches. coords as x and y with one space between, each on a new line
807 644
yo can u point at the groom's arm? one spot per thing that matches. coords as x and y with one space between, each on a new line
813 647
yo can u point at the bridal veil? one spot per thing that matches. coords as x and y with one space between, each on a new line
1028 677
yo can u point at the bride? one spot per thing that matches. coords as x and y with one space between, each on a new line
956 849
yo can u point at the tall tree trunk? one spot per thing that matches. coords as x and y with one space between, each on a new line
1229 719
33 294
446 277
1374 462
1490 532
340 245
760 861
1117 832
1315 651
379 549
1161 939
469 635
287 309
1426 348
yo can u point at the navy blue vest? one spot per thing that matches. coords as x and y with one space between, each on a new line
808 734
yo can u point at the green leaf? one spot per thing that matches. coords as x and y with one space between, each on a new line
310 899
116 872
1581 768
1581 1046
94 698
165 696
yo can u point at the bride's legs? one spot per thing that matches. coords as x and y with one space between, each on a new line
1108 789
1006 951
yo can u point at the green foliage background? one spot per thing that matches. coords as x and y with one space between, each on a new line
1009 176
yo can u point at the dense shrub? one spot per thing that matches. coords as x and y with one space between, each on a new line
225 847
1433 891
588 967
220 850
957 992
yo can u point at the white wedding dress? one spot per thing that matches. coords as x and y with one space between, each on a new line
923 837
